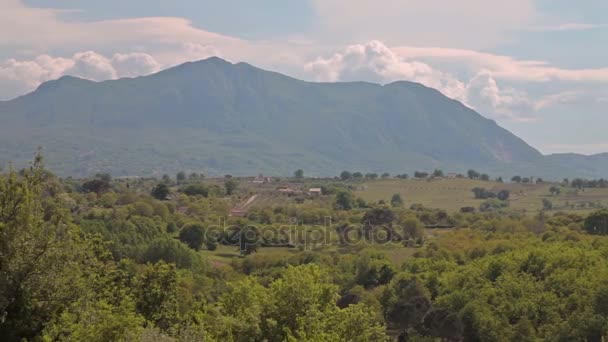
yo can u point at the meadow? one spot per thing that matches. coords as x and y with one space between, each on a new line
453 194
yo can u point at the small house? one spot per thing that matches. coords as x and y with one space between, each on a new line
315 191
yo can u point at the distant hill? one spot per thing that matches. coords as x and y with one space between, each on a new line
216 117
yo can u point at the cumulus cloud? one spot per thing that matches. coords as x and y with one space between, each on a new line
134 64
18 77
376 62
92 66
484 95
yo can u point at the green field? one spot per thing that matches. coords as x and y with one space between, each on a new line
453 194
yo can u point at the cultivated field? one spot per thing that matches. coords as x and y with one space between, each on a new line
453 194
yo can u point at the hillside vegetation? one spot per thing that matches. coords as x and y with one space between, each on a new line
144 259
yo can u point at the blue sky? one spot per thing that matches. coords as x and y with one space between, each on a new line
538 67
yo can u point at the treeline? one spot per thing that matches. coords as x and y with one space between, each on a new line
121 264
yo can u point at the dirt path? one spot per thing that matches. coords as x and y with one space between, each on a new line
248 202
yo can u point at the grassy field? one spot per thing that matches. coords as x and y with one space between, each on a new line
453 194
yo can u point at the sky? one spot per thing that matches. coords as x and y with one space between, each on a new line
537 67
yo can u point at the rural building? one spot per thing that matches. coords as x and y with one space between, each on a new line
238 212
315 191
287 191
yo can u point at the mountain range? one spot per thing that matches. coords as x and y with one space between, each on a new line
219 118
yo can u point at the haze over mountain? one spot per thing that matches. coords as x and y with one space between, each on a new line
216 117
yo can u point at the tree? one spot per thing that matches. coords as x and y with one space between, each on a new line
193 235
42 259
597 223
97 186
357 175
345 175
196 190
180 177
156 294
554 190
412 228
516 179
547 205
160 191
420 175
344 200
481 193
438 173
230 186
484 177
371 176
249 240
472 174
166 179
396 200
503 195
299 174
386 175
106 177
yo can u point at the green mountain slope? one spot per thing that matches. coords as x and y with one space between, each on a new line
217 117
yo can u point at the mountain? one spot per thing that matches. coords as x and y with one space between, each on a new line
576 165
216 117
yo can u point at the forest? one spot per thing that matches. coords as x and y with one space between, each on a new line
143 259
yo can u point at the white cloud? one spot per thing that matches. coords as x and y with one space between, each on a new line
504 67
469 23
484 95
567 27
92 66
134 64
20 76
376 62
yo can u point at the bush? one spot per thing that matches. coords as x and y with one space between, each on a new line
193 235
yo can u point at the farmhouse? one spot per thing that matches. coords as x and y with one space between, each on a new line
315 191
286 191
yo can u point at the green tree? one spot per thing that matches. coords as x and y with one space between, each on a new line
155 293
230 185
396 200
547 205
193 235
41 256
180 177
299 174
503 195
597 222
345 175
412 228
344 200
554 190
438 173
472 174
97 321
160 191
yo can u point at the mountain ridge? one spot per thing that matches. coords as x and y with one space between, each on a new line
217 117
